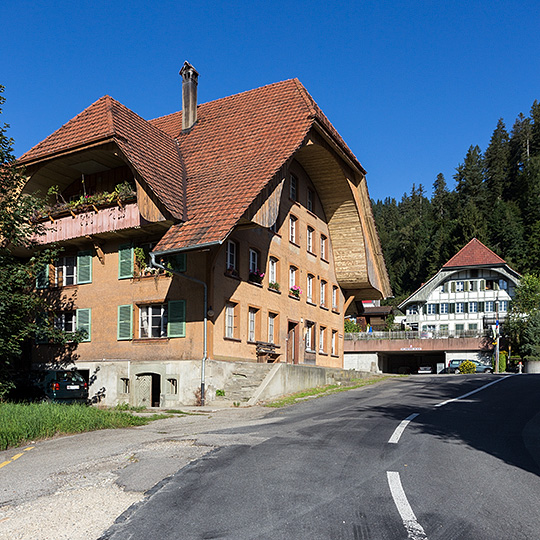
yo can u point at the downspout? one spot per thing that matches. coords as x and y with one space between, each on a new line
203 365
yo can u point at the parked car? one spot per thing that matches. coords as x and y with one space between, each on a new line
481 367
62 386
423 370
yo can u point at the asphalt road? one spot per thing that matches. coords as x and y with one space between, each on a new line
325 469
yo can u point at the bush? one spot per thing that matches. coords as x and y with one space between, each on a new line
467 367
502 361
351 327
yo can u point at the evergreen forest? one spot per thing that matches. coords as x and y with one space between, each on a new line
496 199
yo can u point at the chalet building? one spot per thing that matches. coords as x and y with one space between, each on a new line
449 317
466 297
236 230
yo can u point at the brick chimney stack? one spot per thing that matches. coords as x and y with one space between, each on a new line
189 96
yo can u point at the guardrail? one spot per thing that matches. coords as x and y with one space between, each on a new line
414 334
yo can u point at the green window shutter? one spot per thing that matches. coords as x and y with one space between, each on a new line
453 286
84 267
480 307
180 262
465 307
445 287
452 308
495 285
125 261
42 277
482 284
437 309
466 286
424 309
84 322
125 322
176 325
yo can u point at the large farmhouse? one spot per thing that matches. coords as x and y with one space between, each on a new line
236 230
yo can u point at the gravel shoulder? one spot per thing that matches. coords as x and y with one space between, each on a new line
75 487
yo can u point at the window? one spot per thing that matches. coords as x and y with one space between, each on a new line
503 306
77 320
310 232
73 270
309 292
310 199
322 332
490 306
172 386
272 322
310 336
460 328
231 255
503 284
412 310
460 286
253 261
153 321
124 385
473 327
432 309
473 307
473 285
42 277
293 187
292 229
334 342
444 309
460 307
323 293
253 324
159 320
443 288
443 329
323 246
273 271
292 276
231 325
335 298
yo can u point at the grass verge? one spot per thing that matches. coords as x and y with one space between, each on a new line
24 422
320 391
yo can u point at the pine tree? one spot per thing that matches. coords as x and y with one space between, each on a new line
496 164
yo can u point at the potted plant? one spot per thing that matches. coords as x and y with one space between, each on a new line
256 277
273 285
295 291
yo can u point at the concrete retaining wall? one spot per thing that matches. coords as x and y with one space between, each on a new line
368 362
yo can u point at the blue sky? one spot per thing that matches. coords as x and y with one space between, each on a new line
409 85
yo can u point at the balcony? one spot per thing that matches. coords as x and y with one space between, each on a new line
90 222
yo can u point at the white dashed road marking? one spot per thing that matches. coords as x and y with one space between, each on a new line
413 528
473 392
394 439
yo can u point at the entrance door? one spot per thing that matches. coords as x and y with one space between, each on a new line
148 389
292 343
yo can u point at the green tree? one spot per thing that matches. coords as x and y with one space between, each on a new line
19 301
496 164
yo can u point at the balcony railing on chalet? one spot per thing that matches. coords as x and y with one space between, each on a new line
415 334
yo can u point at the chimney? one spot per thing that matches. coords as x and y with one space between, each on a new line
189 96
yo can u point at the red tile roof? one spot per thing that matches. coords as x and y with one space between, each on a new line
211 174
474 254
150 151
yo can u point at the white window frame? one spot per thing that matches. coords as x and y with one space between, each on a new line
72 274
323 293
335 304
293 220
272 327
310 338
489 306
334 342
443 309
231 255
323 246
229 320
310 233
252 321
148 315
253 260
322 330
431 309
309 291
460 307
473 307
66 321
503 306
292 276
460 286
272 270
